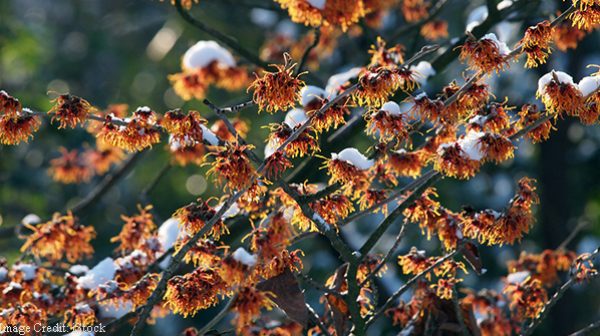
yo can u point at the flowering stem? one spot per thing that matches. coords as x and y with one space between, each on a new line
379 312
530 328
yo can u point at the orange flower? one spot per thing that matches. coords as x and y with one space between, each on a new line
491 118
279 90
189 85
70 110
444 288
536 43
101 158
587 16
276 164
415 262
187 4
415 10
333 208
204 253
136 229
18 126
232 166
183 154
376 86
133 134
61 236
194 291
527 299
425 211
9 105
459 159
248 303
389 122
498 148
340 13
305 143
81 315
528 115
186 129
238 267
222 132
558 93
566 36
385 57
195 215
350 168
434 30
406 163
486 54
69 168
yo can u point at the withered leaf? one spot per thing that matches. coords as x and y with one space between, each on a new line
288 296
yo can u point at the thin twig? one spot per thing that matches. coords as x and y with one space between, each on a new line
587 330
220 315
304 58
390 301
108 181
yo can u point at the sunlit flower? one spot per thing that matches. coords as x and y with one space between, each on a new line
350 168
238 267
559 94
527 299
69 168
491 118
414 262
332 12
81 315
248 303
186 129
194 216
376 86
303 144
444 288
498 148
70 110
536 43
205 252
587 16
424 211
222 132
61 236
382 56
486 54
584 268
232 166
189 85
132 134
135 230
333 208
279 90
460 159
389 122
101 158
405 163
434 30
529 115
18 126
415 10
194 291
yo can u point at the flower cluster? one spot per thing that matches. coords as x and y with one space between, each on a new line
16 124
204 64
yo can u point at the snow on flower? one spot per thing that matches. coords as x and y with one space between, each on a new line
295 117
517 277
471 145
242 256
204 53
168 233
502 47
354 157
320 4
101 273
589 84
424 69
28 270
310 93
337 81
31 219
562 77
